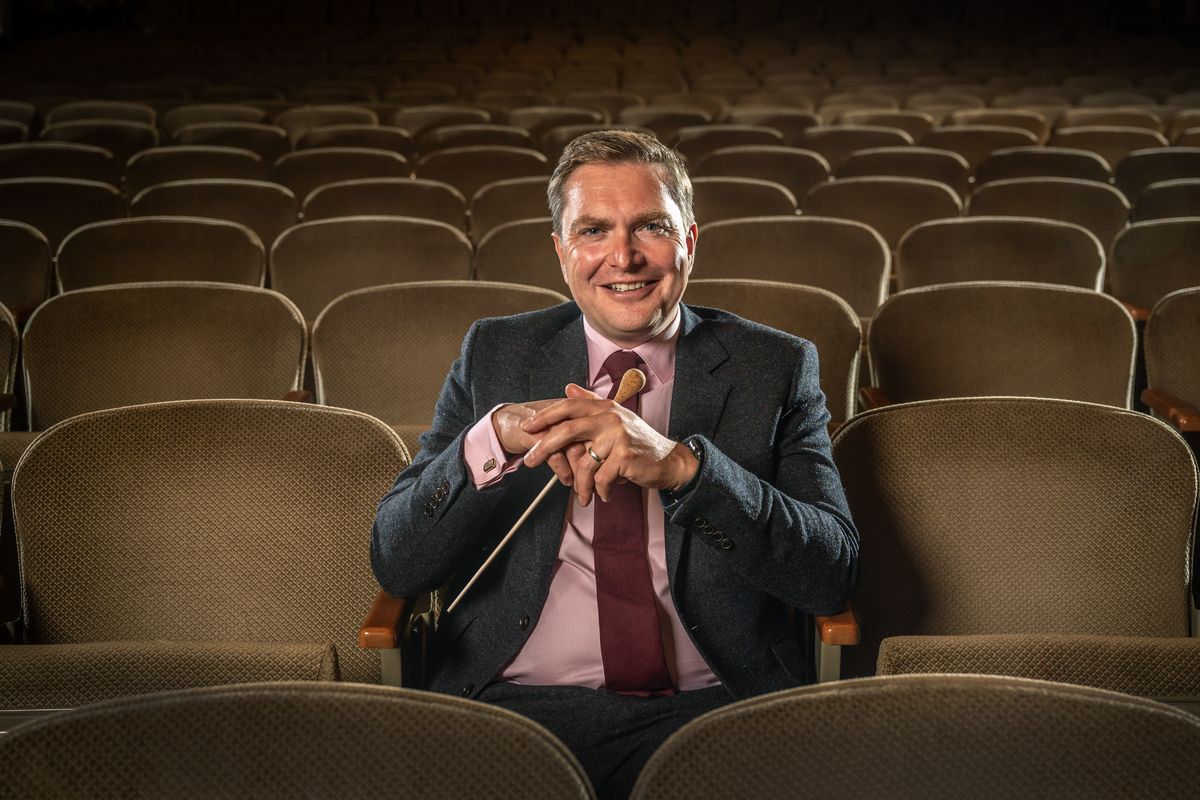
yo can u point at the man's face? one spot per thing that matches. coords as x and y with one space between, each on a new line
624 251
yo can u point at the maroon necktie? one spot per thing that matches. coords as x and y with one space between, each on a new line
630 640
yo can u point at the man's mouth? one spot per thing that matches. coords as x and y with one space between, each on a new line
626 287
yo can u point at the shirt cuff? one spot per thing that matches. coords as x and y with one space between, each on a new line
483 455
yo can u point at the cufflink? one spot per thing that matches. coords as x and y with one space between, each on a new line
489 465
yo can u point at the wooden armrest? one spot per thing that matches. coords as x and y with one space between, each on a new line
841 628
1139 313
381 629
8 402
873 397
299 396
1171 408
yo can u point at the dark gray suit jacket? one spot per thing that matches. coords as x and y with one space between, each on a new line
765 529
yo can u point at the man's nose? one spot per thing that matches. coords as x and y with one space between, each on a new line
625 253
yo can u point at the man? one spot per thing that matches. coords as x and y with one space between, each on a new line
720 475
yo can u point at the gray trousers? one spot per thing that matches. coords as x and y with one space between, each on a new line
612 735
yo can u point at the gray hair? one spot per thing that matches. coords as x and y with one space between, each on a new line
620 147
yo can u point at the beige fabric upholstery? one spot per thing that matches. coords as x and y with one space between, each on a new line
999 249
305 170
269 141
379 137
217 521
788 120
8 368
300 120
976 142
25 280
417 119
316 262
836 142
160 248
539 119
101 109
889 205
795 169
59 160
520 252
1142 666
122 139
555 140
915 123
288 740
1028 339
1152 259
1122 117
1172 338
484 134
191 113
470 168
715 199
136 343
1110 142
1138 170
1043 162
1033 121
268 209
1099 207
1166 199
57 206
847 258
931 736
1016 515
696 141
929 163
44 676
187 162
805 311
665 121
386 350
507 201
397 197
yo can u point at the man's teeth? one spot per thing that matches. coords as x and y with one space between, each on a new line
626 287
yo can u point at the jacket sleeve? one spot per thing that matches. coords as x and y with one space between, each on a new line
790 533
429 523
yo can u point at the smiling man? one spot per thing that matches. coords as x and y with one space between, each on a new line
657 582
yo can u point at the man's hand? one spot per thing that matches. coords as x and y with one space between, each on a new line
508 420
630 449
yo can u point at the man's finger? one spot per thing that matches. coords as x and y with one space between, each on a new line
562 468
577 392
571 408
562 436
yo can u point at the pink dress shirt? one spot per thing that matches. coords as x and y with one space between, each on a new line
564 646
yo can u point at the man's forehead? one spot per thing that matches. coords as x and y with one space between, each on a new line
593 184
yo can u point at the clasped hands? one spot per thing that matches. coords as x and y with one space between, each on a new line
560 433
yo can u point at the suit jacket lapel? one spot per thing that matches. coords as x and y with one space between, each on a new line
699 398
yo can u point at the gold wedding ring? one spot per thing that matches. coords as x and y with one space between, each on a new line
595 457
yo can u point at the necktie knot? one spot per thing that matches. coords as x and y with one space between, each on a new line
617 364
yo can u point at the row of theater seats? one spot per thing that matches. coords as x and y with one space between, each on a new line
941 736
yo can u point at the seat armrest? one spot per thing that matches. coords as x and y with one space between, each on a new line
384 625
873 397
8 402
299 396
1170 407
839 629
1139 313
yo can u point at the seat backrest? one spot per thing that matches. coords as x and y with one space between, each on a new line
416 119
889 205
665 121
268 209
101 109
520 252
1168 199
470 168
976 142
187 162
190 113
25 281
396 197
1099 207
282 740
1110 142
836 142
379 137
795 169
715 199
507 201
59 160
482 134
1033 121
1154 258
697 141
220 521
9 337
302 171
915 123
1170 341
847 258
1016 515
57 206
805 311
386 350
999 249
984 338
1153 164
930 736
315 262
111 346
160 249
1123 117
1042 162
928 163
298 121
788 120
122 139
269 141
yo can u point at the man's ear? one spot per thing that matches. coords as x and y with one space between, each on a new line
693 234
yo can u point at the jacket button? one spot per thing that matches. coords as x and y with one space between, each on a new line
466 690
524 622
727 544
446 486
428 510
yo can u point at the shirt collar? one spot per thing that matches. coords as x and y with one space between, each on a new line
658 353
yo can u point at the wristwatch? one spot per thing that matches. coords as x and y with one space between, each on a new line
691 443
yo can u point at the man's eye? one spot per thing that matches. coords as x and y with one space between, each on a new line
589 232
